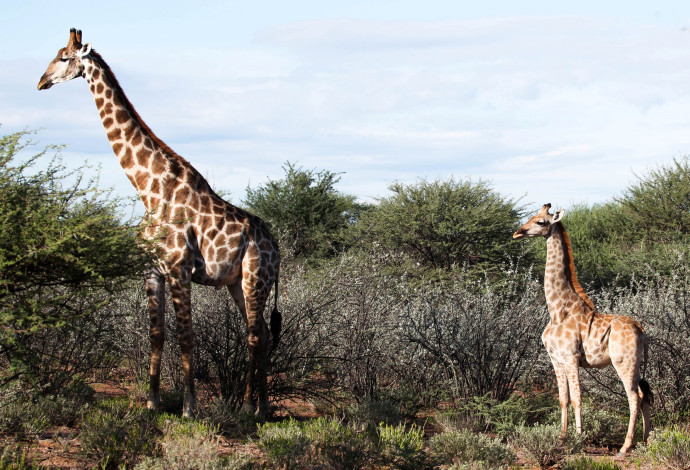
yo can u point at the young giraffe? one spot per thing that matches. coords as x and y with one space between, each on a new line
198 236
579 336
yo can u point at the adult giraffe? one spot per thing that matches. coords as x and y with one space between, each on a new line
579 336
198 236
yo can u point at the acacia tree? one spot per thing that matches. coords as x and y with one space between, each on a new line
436 225
63 252
305 211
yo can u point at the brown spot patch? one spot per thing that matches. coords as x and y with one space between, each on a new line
117 147
142 179
181 195
96 74
107 122
100 88
143 157
99 103
108 93
156 185
122 116
136 140
126 160
114 134
158 165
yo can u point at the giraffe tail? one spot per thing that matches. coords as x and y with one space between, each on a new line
276 319
644 389
646 392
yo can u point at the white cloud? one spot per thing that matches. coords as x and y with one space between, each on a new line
560 108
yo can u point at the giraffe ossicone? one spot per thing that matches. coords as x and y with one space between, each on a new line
198 237
577 335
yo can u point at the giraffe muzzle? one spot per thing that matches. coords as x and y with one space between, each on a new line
45 83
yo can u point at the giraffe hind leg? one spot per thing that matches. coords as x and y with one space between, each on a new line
629 375
181 297
251 302
155 290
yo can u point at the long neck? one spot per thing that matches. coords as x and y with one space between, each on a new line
561 286
152 167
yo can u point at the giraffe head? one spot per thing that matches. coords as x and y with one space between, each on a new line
68 62
539 225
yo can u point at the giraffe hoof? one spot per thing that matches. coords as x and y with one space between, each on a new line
152 403
248 407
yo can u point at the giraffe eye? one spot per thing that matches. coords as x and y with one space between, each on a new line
541 222
64 59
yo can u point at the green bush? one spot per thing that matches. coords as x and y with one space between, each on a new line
305 212
369 414
323 441
542 444
190 445
15 458
284 443
600 425
119 432
440 224
466 447
27 413
486 414
669 447
588 463
64 252
401 446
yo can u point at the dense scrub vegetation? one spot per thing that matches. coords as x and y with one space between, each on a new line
417 311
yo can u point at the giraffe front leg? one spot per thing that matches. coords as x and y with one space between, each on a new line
155 291
573 374
180 292
563 396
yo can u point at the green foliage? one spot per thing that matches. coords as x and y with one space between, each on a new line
588 463
668 447
190 444
27 413
63 252
441 224
369 414
483 413
542 444
462 447
118 432
15 458
323 441
599 423
660 201
305 211
401 446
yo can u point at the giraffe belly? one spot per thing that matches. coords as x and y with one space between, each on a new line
215 273
597 358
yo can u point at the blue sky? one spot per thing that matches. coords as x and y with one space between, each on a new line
547 101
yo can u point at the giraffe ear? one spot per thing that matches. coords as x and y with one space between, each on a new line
85 50
558 216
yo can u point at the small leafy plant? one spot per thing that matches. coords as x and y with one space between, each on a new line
463 447
669 447
543 444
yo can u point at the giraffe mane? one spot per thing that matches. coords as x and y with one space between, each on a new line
572 274
135 115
